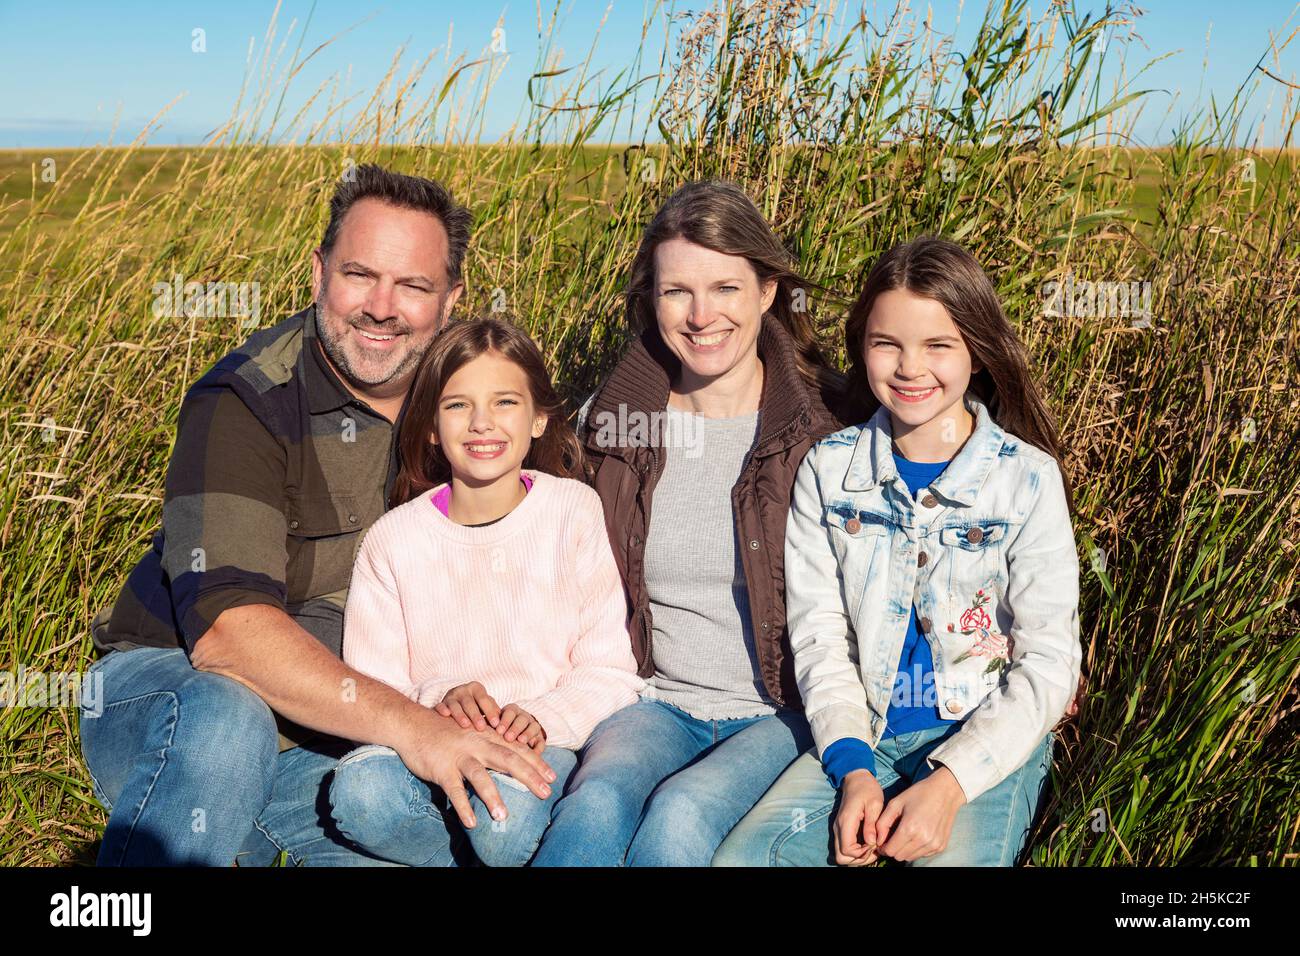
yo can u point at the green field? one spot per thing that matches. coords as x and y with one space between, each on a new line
1182 433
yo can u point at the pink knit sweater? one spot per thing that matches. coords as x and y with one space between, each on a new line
530 606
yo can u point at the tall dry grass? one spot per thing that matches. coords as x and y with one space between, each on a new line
852 136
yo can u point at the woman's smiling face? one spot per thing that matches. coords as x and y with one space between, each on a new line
709 307
917 362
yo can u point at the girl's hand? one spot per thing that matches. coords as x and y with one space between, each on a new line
924 813
855 824
470 704
1073 708
517 724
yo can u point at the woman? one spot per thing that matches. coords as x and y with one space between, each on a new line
694 441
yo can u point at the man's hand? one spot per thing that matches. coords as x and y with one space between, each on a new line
924 814
447 756
861 800
470 704
267 651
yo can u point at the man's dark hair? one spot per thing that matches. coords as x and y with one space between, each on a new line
370 181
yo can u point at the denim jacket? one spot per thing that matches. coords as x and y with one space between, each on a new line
987 556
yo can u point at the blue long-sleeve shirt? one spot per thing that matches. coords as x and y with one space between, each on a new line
907 710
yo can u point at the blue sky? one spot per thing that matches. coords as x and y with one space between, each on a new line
70 69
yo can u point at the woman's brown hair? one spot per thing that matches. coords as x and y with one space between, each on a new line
938 269
423 465
718 215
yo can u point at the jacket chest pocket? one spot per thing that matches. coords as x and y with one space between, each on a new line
978 537
861 544
975 553
975 633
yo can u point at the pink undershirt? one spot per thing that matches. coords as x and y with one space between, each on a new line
442 498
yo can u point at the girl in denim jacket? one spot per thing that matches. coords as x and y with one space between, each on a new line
931 589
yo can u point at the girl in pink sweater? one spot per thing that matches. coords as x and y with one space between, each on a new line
490 594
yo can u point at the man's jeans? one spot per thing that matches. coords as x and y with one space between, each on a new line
379 805
791 825
657 787
187 764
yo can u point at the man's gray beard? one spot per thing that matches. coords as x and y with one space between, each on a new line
333 346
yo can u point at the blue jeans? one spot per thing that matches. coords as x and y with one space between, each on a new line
388 811
791 825
657 787
188 765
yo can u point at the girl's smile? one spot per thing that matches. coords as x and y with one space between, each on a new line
485 423
919 367
486 450
914 394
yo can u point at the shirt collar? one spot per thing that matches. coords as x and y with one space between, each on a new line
872 462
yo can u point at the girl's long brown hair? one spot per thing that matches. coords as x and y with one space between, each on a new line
941 270
719 215
423 465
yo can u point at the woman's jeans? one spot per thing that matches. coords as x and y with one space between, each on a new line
657 787
791 825
385 809
188 765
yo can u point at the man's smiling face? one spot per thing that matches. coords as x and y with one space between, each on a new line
382 294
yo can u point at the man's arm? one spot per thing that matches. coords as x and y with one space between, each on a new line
269 652
225 555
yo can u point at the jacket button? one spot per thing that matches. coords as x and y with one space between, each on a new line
636 541
954 706
294 523
929 501
921 558
925 624
352 519
753 545
853 526
975 535
764 625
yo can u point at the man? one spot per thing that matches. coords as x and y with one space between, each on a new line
225 700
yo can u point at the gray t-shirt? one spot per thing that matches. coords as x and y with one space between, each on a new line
704 655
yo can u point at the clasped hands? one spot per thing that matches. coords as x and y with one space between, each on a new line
916 823
471 705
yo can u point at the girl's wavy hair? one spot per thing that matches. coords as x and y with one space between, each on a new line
719 215
423 464
935 268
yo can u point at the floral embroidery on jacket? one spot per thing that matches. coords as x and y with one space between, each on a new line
975 620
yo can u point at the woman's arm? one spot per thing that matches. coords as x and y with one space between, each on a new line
1043 592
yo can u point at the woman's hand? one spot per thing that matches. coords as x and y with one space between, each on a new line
924 813
861 800
517 724
470 704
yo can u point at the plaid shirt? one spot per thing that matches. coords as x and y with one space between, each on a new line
277 472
